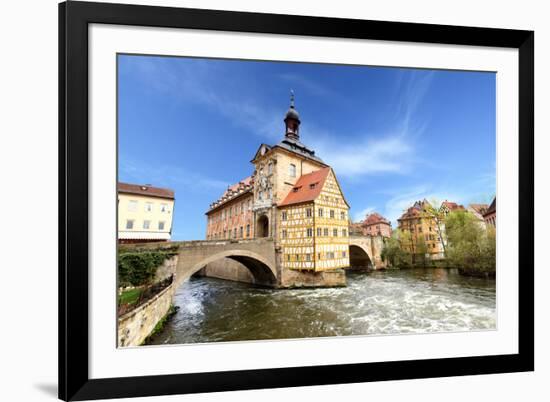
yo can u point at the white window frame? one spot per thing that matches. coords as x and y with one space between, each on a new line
132 205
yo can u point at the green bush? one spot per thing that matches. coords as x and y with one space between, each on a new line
139 268
471 247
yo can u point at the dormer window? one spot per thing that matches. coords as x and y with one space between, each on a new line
312 185
296 189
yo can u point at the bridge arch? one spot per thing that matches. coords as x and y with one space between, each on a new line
263 272
359 257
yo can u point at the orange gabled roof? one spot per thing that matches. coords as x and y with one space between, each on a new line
307 188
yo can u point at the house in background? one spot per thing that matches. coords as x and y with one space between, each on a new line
448 207
490 215
145 213
374 224
424 229
477 211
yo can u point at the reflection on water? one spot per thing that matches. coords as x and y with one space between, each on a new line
389 302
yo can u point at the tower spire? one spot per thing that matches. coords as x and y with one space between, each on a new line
292 121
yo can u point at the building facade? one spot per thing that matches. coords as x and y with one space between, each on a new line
313 224
374 224
426 233
293 197
231 216
145 213
477 211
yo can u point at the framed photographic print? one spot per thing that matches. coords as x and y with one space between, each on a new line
257 200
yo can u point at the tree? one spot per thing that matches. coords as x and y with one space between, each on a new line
394 251
439 218
470 248
421 250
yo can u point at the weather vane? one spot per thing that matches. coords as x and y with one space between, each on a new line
292 98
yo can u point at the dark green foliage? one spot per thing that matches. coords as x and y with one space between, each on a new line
138 268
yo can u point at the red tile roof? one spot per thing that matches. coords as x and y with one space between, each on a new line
307 188
451 206
233 191
479 208
375 218
146 190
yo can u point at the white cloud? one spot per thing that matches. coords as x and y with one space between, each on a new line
372 155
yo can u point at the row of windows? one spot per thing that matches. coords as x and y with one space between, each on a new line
320 213
233 210
320 232
148 206
130 224
228 234
329 255
419 229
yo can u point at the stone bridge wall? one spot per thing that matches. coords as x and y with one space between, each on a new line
373 246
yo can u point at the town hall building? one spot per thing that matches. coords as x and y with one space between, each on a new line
292 197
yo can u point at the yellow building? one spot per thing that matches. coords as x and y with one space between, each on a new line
144 213
426 233
294 198
313 224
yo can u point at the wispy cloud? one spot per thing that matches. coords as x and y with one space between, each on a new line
204 82
370 155
392 151
170 176
301 82
360 215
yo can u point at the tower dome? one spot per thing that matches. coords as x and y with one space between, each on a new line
292 120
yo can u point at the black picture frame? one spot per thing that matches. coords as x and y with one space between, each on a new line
74 18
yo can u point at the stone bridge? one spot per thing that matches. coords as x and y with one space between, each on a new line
257 255
364 252
256 261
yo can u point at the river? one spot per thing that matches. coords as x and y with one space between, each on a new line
380 302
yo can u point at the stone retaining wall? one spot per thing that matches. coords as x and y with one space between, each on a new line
135 326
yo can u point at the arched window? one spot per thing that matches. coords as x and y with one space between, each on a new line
292 170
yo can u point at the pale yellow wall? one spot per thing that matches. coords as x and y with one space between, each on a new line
297 247
141 214
320 251
331 251
280 180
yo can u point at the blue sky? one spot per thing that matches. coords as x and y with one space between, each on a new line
392 135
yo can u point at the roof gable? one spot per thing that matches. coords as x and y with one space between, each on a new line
307 188
262 150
